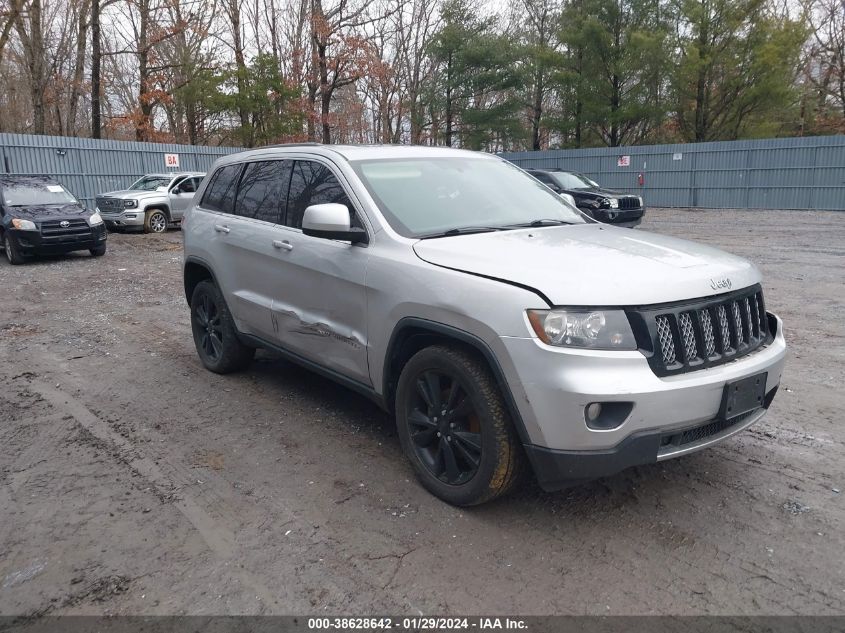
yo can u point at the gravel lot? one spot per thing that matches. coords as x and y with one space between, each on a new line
134 481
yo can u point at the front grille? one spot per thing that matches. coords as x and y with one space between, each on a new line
77 230
109 204
686 337
698 433
629 202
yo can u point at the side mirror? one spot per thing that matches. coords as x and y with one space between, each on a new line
331 221
176 191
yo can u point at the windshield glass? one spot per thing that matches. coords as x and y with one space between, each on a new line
32 194
150 183
572 181
426 196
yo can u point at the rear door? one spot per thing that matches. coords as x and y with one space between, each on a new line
319 299
248 233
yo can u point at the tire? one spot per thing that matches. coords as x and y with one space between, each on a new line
478 419
155 221
98 251
13 253
215 336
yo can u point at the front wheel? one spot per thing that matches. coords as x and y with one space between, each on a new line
215 336
13 253
455 428
98 251
155 221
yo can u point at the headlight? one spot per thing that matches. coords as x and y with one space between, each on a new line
24 225
95 219
593 329
614 203
130 204
640 200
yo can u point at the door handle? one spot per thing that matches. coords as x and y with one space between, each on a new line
221 229
283 244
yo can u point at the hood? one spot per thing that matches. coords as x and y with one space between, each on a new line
594 265
132 194
599 192
51 212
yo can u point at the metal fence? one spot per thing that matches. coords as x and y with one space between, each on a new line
89 166
788 173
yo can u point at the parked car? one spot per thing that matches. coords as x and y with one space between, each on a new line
151 204
499 325
604 205
38 216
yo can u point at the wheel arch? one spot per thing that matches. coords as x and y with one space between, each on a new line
412 334
195 271
159 206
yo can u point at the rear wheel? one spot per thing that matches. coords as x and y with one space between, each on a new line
155 221
215 336
455 428
13 253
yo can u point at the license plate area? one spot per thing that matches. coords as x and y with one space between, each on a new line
742 396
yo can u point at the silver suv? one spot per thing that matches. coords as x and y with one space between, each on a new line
152 203
501 327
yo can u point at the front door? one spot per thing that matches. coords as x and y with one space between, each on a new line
319 301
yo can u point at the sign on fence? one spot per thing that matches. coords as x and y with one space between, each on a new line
171 160
623 161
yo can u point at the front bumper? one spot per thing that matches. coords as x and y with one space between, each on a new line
130 218
627 218
34 243
556 385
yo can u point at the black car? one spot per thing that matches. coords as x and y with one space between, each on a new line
38 216
604 205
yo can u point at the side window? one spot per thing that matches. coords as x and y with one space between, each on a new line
262 194
189 185
313 183
220 194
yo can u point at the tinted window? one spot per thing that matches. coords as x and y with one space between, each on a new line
263 189
220 195
189 185
313 183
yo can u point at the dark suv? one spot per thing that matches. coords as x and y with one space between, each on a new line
38 216
604 205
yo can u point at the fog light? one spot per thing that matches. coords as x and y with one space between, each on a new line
606 416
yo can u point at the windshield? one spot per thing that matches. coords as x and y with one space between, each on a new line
150 183
32 194
569 180
427 196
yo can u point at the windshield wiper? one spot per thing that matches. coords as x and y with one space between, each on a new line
543 222
464 230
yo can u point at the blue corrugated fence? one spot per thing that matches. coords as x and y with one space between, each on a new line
89 166
787 173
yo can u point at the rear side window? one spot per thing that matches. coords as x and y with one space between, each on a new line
262 194
220 194
313 183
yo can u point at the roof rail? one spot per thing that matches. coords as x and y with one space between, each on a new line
303 144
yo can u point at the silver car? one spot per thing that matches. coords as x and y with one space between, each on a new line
151 203
502 328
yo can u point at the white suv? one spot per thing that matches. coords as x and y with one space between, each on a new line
501 326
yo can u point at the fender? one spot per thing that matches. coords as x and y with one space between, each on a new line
450 332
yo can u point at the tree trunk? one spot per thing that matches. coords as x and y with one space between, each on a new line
96 59
79 67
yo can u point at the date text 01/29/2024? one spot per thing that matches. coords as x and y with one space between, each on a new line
421 623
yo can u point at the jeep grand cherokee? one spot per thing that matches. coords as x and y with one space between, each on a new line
499 326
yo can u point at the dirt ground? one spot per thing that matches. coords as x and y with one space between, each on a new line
133 481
